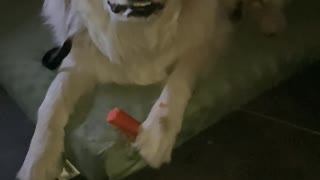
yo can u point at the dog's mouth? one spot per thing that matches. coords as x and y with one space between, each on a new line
136 9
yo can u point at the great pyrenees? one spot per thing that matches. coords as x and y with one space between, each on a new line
138 42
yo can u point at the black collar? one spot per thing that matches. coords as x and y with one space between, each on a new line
54 57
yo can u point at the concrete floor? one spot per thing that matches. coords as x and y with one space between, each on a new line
273 137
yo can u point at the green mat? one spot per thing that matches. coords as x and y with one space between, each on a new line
251 65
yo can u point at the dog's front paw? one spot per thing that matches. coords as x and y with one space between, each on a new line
155 145
45 168
156 138
44 161
42 169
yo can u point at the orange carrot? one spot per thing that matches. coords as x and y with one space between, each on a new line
123 122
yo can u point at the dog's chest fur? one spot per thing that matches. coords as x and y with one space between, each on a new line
142 52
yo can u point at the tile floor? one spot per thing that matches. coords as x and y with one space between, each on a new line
274 137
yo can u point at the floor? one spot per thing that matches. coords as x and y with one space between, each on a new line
276 136
15 134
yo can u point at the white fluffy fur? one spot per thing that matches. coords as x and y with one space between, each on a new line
187 35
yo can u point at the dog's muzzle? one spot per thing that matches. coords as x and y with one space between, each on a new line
136 8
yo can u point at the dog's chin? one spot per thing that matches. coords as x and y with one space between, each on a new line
140 11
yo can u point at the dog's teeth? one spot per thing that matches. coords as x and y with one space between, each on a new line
141 4
127 12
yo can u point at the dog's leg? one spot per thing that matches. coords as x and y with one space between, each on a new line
158 133
44 159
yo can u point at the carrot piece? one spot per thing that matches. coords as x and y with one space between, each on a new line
124 122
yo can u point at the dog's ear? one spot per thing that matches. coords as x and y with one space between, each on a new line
273 18
62 19
269 15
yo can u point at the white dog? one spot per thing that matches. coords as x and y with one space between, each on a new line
127 42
